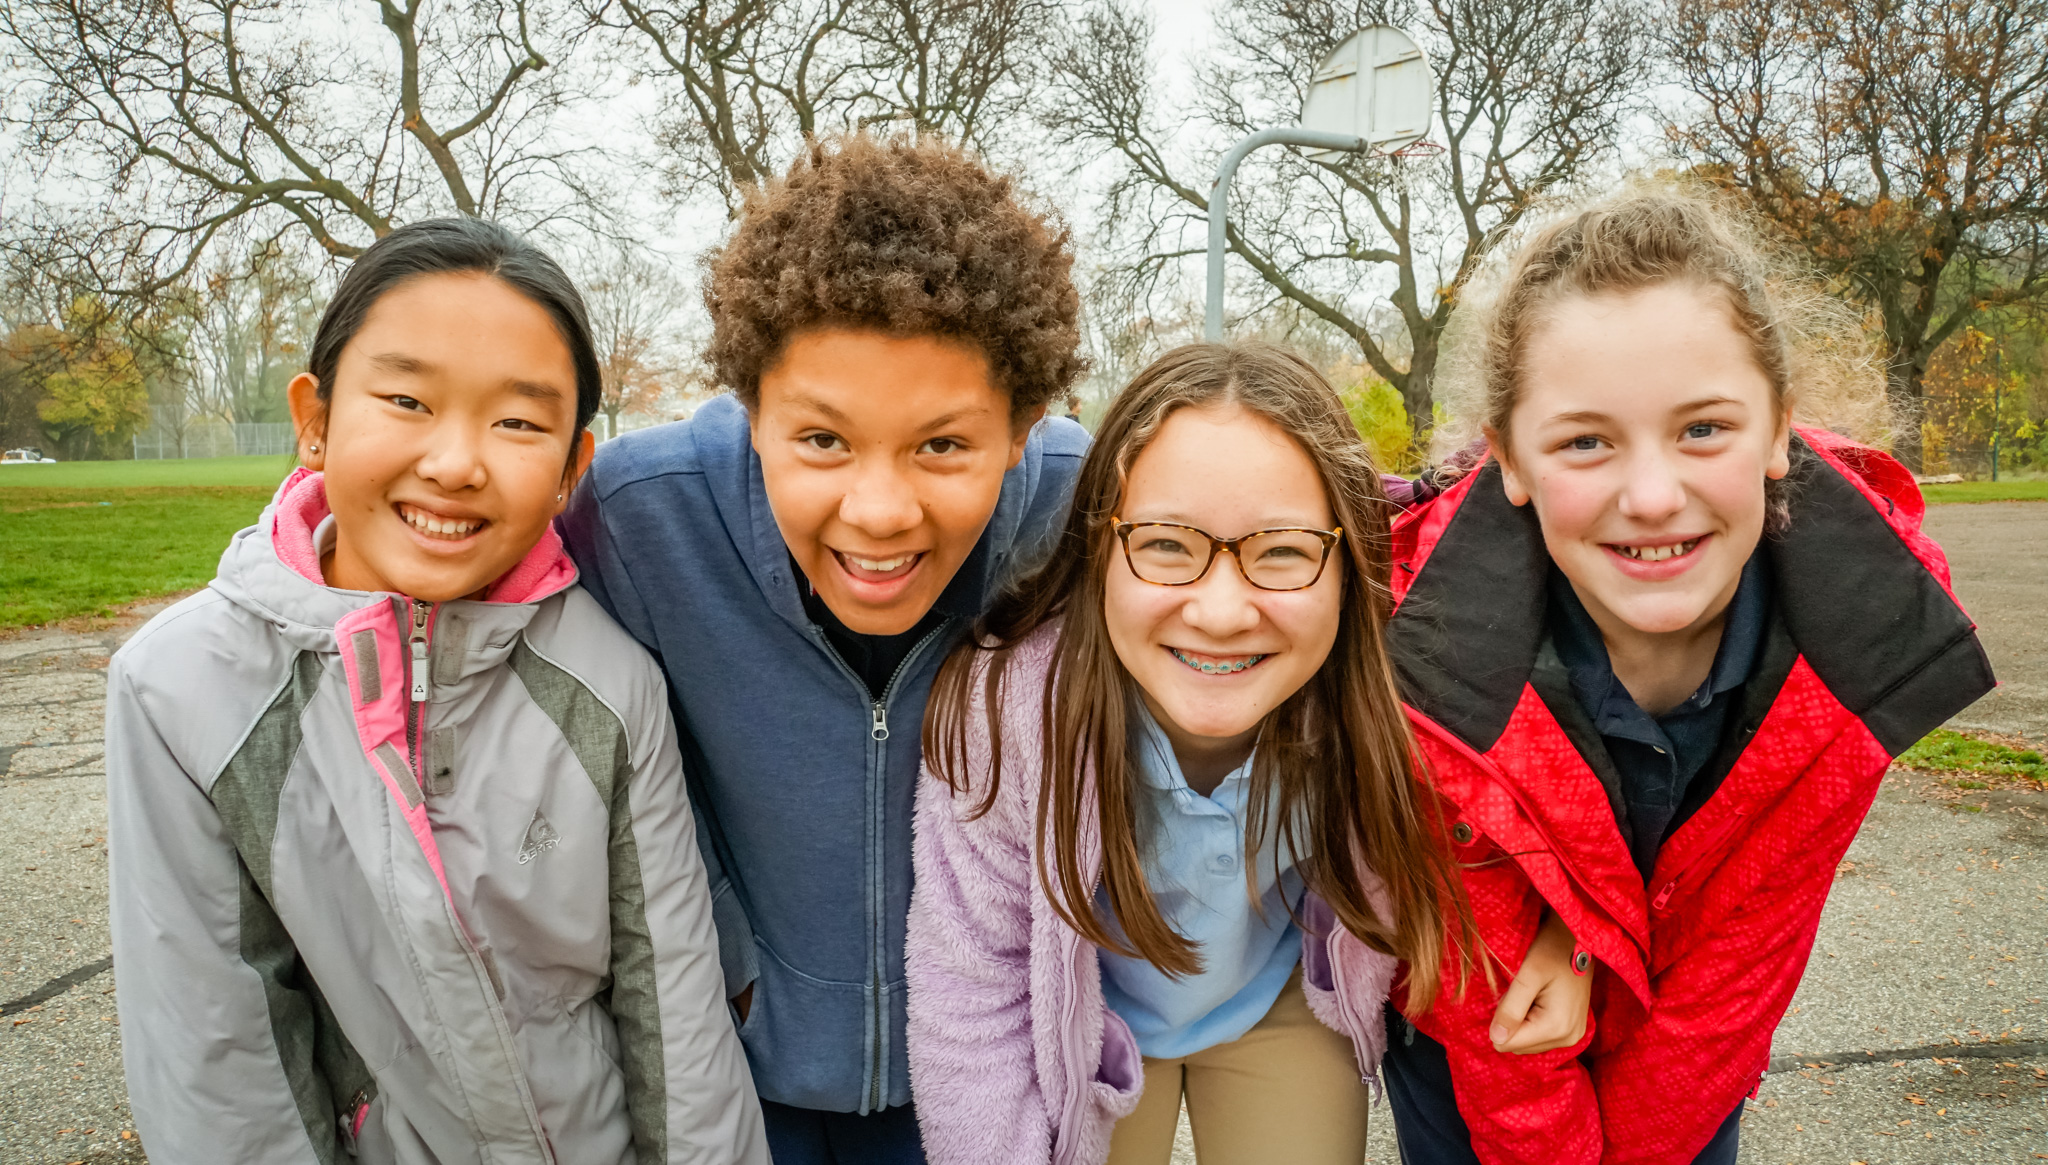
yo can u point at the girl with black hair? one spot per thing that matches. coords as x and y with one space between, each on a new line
402 864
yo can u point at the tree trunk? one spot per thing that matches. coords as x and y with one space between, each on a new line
1903 385
1417 396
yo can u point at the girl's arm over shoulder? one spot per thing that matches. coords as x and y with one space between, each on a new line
972 1059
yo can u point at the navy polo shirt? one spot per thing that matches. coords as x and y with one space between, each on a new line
1658 757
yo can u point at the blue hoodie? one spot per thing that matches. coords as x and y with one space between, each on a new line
803 784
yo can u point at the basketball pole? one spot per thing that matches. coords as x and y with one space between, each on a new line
1219 201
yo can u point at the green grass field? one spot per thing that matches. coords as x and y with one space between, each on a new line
1947 751
1986 491
263 472
88 537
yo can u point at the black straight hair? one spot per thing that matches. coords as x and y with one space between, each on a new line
455 245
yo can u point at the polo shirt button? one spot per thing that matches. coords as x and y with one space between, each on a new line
1226 862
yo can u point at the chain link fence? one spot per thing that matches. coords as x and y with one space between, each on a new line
212 438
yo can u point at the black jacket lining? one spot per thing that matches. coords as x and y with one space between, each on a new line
1466 633
1902 657
1553 684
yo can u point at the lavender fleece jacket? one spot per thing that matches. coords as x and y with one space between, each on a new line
1014 1057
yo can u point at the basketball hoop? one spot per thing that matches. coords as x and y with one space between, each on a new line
1373 95
1420 148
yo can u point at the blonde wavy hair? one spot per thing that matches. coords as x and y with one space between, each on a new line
1810 343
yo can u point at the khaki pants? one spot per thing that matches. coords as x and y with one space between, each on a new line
1285 1091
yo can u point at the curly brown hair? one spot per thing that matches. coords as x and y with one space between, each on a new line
910 238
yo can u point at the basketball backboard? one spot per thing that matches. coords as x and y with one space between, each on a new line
1376 86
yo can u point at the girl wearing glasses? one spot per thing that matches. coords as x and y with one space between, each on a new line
1169 819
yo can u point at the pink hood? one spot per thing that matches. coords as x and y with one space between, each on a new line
301 505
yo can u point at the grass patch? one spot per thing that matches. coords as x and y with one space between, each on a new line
66 552
1986 491
1946 751
263 472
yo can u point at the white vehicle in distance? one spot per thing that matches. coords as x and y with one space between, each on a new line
26 457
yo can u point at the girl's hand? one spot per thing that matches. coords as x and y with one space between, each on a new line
1545 1007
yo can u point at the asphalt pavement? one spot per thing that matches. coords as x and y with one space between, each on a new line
1919 1035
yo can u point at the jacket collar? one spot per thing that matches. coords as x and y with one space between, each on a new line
1903 657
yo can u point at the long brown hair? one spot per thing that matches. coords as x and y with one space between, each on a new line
1335 770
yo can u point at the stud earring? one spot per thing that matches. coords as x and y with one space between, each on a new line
312 448
558 497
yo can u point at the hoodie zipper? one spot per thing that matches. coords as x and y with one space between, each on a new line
416 643
878 737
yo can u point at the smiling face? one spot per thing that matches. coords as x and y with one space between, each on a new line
446 440
883 458
1212 658
1643 436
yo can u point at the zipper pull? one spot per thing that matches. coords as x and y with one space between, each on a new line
879 727
418 640
1664 895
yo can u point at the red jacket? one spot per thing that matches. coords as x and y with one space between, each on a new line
1866 650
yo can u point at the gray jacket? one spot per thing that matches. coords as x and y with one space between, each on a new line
407 882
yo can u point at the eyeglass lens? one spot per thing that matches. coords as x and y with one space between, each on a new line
1276 560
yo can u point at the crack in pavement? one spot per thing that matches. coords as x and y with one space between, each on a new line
1923 1052
77 770
59 985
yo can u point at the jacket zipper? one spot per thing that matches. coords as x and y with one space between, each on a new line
878 732
1720 835
878 736
422 615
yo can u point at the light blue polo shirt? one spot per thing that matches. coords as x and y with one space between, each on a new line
1194 865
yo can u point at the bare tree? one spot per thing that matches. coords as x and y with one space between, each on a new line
1530 92
962 68
1900 142
636 310
184 119
251 323
754 79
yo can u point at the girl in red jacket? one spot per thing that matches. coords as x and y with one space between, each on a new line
1660 646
